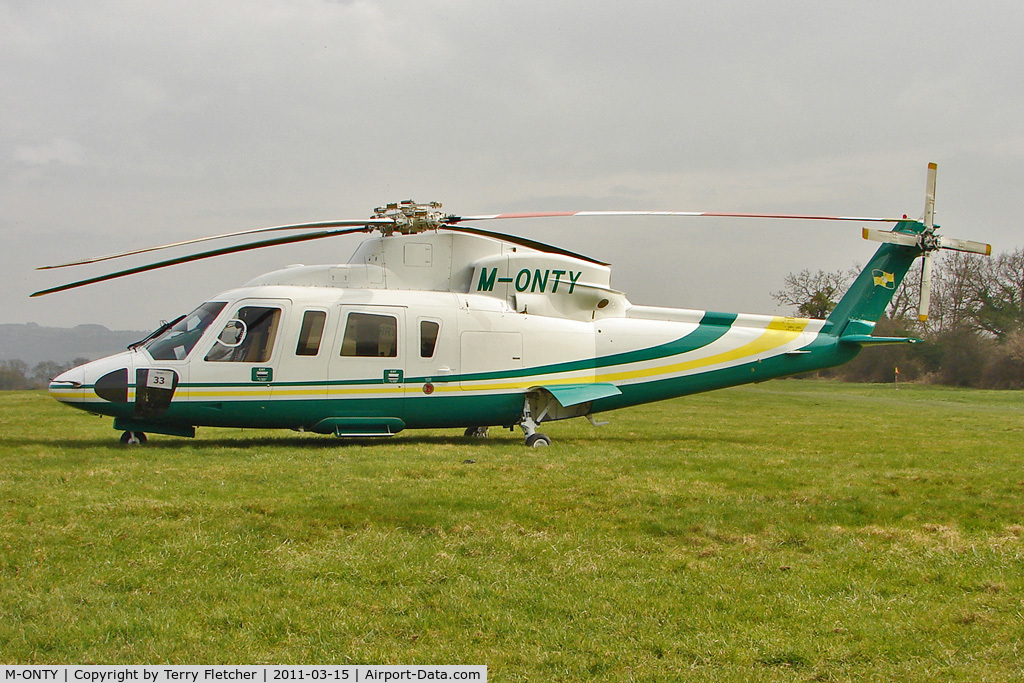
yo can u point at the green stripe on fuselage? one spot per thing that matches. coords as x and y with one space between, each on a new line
705 333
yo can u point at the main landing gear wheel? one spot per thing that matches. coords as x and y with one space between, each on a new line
476 432
534 439
133 439
538 440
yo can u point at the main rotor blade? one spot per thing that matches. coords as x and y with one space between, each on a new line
204 255
367 222
532 244
683 214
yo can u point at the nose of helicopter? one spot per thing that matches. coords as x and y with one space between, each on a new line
65 386
106 378
73 377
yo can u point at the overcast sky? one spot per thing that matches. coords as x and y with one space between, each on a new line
130 123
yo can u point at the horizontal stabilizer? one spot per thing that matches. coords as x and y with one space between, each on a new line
869 340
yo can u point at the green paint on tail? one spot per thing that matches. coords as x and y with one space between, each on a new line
866 300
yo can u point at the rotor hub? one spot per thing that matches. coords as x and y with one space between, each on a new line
411 218
930 241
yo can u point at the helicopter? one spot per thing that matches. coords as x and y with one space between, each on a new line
434 323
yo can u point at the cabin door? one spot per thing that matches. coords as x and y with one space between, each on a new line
303 367
367 366
238 366
433 363
489 357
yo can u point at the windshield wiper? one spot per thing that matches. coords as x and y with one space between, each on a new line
156 333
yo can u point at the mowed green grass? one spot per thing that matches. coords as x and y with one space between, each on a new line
794 530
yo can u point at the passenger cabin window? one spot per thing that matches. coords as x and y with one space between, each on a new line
248 337
311 333
368 335
428 338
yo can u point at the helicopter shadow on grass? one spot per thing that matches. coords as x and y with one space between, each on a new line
306 443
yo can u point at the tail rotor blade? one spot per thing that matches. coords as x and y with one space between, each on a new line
926 287
929 198
968 246
900 238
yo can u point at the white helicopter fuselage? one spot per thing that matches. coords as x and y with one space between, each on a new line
429 330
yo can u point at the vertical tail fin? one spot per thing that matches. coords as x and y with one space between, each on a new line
866 300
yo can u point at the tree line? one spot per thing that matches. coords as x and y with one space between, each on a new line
974 335
16 375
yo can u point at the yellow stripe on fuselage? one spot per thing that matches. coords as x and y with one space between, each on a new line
779 332
267 392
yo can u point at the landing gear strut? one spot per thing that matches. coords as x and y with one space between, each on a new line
534 439
133 439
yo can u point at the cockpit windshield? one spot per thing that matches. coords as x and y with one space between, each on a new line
177 341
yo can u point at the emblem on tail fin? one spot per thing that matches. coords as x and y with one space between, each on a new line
884 279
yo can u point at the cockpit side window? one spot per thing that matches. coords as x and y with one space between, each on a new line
311 333
368 335
428 338
177 342
248 337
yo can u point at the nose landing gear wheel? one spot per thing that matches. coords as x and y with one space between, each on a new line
133 439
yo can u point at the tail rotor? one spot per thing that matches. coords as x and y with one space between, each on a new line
927 241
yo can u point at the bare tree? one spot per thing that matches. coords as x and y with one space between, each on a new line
955 281
814 294
998 295
975 332
906 300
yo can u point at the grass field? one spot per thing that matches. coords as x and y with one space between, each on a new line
792 531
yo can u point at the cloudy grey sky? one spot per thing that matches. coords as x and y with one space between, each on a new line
127 123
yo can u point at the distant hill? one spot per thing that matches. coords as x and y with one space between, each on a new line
34 343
